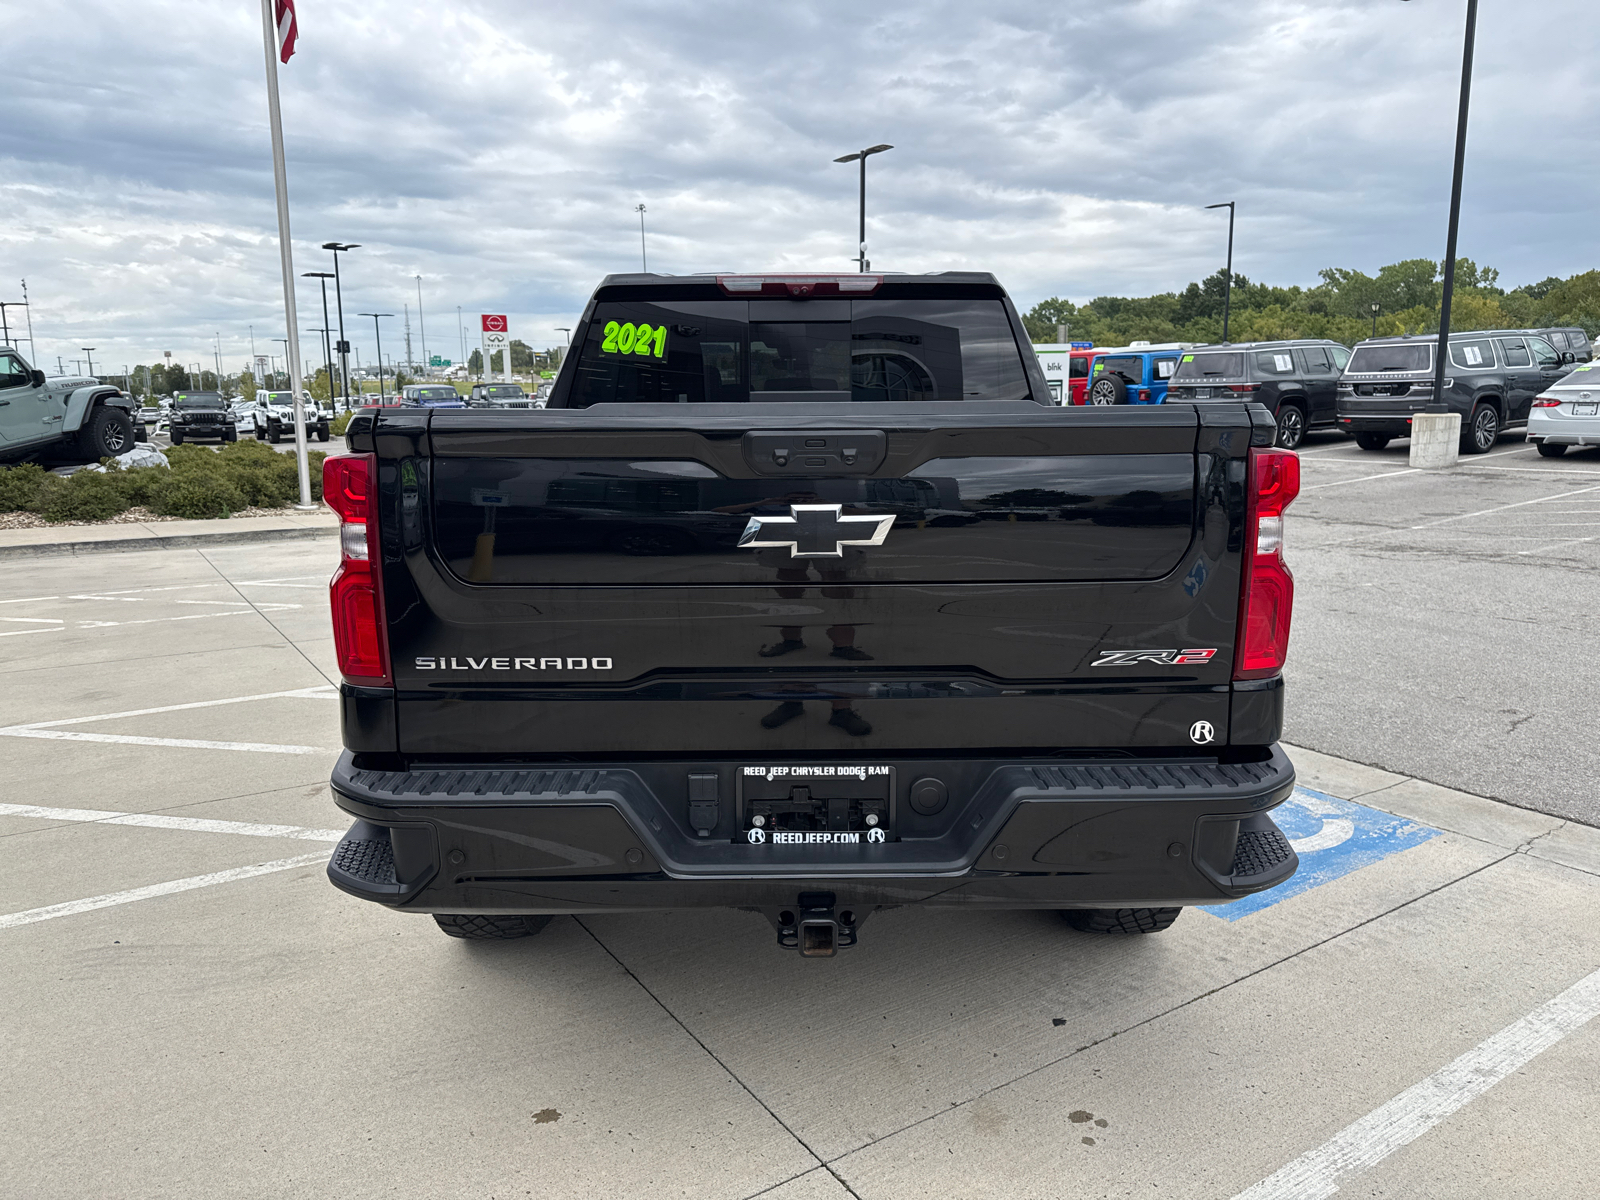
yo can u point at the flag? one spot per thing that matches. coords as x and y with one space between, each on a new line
288 30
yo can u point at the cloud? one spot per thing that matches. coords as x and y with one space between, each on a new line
498 150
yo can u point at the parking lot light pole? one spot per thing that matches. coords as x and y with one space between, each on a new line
1227 290
1375 320
1447 294
378 335
5 328
862 156
89 350
339 248
327 347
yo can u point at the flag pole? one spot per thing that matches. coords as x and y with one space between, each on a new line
269 34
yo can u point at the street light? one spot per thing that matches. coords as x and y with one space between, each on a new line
285 342
89 350
566 329
644 266
1227 294
327 349
1438 404
378 334
5 328
422 328
1374 319
339 248
863 155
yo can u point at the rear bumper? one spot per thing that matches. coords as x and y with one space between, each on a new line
1041 833
1563 431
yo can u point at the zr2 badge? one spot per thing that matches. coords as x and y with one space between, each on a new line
1165 658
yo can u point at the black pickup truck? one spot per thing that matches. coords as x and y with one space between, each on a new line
802 598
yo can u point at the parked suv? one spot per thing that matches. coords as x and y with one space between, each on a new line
197 415
1295 380
1491 380
1134 374
498 395
1565 339
74 417
431 395
272 417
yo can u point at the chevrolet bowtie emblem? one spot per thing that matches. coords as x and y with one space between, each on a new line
815 531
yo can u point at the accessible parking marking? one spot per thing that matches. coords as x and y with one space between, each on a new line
1333 838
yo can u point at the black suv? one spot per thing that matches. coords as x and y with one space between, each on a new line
1491 380
1572 344
198 415
1295 380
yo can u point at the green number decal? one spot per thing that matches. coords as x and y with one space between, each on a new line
609 346
641 344
625 337
661 341
1188 358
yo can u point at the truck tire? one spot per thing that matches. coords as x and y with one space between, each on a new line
107 433
1480 431
1552 449
231 435
1120 920
492 929
1291 426
1372 441
176 437
322 433
1108 389
274 432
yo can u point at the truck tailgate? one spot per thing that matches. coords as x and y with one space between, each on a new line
562 582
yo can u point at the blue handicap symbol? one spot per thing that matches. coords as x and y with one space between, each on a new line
1333 838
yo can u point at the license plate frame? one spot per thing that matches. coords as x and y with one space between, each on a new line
1588 408
863 787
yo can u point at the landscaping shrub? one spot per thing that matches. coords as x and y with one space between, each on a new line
20 488
339 424
197 495
138 485
82 496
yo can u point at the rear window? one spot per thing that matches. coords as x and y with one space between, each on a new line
1557 339
1417 357
1211 366
511 390
740 351
1080 368
1472 354
1275 362
1129 366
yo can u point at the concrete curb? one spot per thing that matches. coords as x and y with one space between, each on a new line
143 540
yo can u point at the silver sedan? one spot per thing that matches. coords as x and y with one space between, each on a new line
1567 413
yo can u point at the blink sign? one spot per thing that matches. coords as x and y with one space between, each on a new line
496 340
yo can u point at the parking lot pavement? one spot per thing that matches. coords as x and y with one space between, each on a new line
198 1013
1444 628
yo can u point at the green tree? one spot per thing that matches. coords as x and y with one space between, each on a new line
320 389
475 363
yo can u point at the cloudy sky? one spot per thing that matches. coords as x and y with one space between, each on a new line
498 148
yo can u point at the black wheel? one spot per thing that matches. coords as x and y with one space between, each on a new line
1552 449
1372 441
107 433
489 929
1120 920
261 434
274 432
322 433
231 435
1291 426
175 437
1108 389
1482 429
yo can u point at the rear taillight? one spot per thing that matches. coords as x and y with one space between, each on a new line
1546 402
1266 600
1144 394
1243 387
349 485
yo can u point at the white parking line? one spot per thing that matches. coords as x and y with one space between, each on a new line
19 632
111 899
128 739
1484 512
159 821
1361 479
320 691
29 599
1367 1142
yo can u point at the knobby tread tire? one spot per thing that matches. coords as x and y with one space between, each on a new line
1120 920
478 927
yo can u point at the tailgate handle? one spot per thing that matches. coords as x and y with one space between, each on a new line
815 451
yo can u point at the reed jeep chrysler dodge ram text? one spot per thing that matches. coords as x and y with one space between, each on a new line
802 598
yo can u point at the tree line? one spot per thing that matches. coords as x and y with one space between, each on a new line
1340 307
